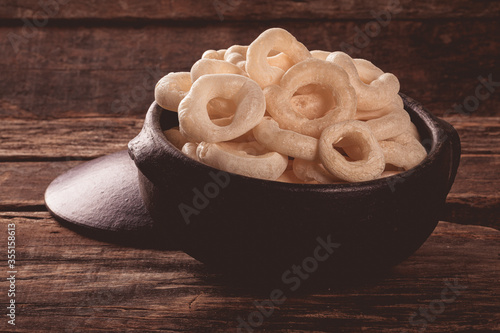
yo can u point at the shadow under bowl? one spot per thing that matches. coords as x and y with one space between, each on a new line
259 227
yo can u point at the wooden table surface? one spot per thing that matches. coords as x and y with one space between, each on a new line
76 83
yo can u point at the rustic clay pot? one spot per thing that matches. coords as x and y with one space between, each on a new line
244 224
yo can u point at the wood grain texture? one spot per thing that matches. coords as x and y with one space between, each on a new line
66 138
474 197
113 70
23 184
69 283
249 10
478 135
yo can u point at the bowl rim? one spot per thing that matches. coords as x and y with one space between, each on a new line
433 124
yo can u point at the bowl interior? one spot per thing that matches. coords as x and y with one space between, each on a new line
427 125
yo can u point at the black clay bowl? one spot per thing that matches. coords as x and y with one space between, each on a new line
252 225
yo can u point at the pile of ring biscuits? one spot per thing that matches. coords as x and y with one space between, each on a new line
275 110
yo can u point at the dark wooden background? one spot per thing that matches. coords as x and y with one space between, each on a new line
76 84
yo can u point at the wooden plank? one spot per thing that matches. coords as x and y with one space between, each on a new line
474 197
23 184
478 135
113 70
68 283
248 10
65 139
86 138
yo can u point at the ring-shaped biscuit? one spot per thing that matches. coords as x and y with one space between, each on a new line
189 149
281 60
248 159
313 101
289 177
310 105
313 171
194 121
175 137
394 123
247 137
375 95
319 54
414 131
289 143
220 108
396 102
171 89
222 122
403 151
212 66
213 54
278 98
353 132
236 54
307 89
277 39
367 71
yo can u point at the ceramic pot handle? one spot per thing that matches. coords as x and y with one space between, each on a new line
454 141
147 149
138 147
